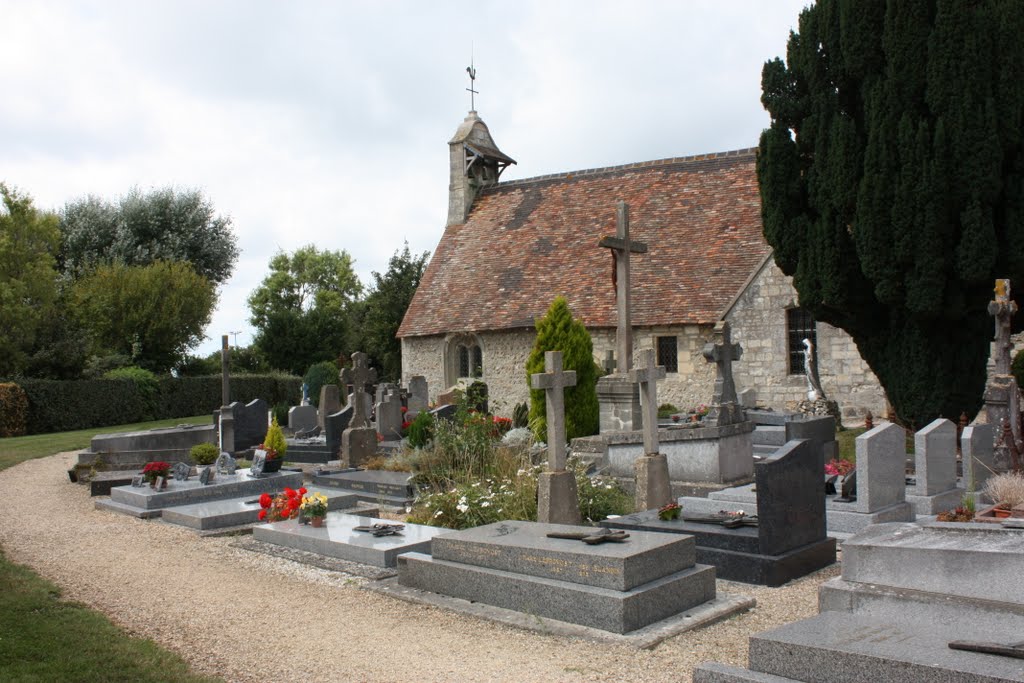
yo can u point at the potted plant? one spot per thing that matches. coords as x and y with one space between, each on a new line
154 471
1006 491
284 505
275 446
314 508
669 511
204 453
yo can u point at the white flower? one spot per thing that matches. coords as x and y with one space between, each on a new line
462 507
438 514
462 501
485 504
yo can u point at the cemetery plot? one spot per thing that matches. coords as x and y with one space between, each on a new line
220 514
145 502
340 538
615 587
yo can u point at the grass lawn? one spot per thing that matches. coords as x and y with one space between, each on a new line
45 639
17 449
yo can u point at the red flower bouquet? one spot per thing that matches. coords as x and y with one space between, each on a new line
154 470
284 505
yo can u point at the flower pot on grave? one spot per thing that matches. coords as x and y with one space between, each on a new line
317 521
272 465
1001 513
152 484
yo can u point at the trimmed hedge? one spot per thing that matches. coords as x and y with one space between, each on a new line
13 410
56 406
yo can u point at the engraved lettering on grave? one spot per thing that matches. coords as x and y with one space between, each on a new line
504 529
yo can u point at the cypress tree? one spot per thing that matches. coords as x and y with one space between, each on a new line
892 183
558 331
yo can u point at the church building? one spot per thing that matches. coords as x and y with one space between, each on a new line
509 248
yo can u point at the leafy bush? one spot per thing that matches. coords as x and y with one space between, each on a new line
558 331
97 366
1017 368
520 415
280 411
599 496
275 439
667 410
204 453
13 410
491 499
421 430
145 381
319 375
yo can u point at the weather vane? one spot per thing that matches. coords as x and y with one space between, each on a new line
471 70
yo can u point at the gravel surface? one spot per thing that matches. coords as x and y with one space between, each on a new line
249 616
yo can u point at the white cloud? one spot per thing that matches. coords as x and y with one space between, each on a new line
327 122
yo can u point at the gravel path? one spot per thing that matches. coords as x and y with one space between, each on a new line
251 617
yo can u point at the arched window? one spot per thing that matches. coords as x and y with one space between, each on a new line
464 358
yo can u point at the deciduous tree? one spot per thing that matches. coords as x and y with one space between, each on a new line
385 307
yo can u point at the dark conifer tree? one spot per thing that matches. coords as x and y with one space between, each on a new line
892 183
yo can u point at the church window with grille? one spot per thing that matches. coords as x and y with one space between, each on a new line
799 326
667 353
471 361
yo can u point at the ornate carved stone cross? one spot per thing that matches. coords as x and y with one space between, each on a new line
554 381
1002 309
723 354
647 376
359 375
622 247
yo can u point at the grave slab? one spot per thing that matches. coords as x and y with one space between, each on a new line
218 514
849 648
136 500
338 538
525 549
938 558
511 565
716 672
380 487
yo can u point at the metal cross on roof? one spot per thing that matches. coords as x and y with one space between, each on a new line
471 70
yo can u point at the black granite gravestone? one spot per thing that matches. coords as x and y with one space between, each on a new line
789 540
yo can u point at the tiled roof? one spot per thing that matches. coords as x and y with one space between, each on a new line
527 241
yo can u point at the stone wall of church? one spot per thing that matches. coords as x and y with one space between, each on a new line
758 320
505 354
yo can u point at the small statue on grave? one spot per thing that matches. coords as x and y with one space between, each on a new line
814 390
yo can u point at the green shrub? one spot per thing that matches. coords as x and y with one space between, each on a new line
280 411
145 381
13 410
421 430
275 439
558 331
470 504
520 415
599 496
204 453
1017 368
319 375
667 410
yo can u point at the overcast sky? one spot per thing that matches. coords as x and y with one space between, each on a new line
328 122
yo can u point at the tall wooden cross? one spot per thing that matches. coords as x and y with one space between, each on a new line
359 375
723 354
622 247
647 376
1002 309
554 381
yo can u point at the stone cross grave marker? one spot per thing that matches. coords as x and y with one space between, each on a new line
553 381
359 375
622 246
647 376
722 354
652 481
1002 309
